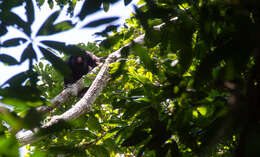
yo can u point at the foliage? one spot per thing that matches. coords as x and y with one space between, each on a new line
190 90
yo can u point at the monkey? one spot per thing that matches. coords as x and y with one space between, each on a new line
80 65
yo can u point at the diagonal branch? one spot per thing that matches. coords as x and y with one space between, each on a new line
85 104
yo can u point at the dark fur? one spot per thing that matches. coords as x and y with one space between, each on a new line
89 61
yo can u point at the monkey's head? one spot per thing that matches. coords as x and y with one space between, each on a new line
79 60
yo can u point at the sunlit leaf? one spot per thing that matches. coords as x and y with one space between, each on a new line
9 143
142 53
63 26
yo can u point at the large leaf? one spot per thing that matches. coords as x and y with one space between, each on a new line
57 63
89 7
3 29
51 4
145 58
9 143
67 49
29 11
106 6
8 59
11 18
126 2
44 30
18 79
13 42
21 96
28 53
102 21
99 151
138 135
7 5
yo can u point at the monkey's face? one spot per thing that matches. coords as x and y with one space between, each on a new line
76 60
79 60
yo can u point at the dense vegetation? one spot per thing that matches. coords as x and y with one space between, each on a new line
191 89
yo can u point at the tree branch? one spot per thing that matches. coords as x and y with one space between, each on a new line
83 105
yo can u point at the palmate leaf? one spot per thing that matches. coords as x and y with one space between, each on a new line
44 30
7 5
89 7
8 59
102 21
21 96
62 26
126 2
17 80
106 6
29 11
51 4
67 49
13 42
10 18
57 63
28 53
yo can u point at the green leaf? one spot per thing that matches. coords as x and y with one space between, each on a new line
9 143
28 53
51 4
145 58
12 19
57 63
106 6
67 49
126 2
32 119
8 59
21 96
3 29
39 154
63 26
18 79
29 11
137 136
89 7
40 2
47 25
102 21
110 41
93 123
7 5
13 42
99 151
